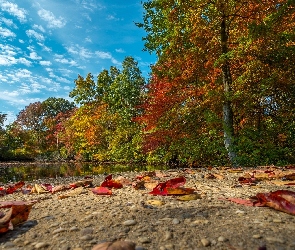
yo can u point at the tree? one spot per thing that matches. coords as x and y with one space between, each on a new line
103 126
37 123
207 48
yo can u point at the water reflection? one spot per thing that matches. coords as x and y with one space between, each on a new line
30 172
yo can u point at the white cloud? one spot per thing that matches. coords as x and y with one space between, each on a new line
53 22
21 41
103 55
88 39
45 48
120 50
34 56
58 78
35 34
39 27
23 73
61 59
79 50
13 10
8 22
90 5
45 63
107 55
24 61
6 33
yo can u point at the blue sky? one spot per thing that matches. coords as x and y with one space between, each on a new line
45 44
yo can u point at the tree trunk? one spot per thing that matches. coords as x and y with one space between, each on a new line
228 124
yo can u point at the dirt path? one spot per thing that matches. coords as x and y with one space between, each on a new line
81 221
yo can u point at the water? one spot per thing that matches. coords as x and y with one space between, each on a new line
30 172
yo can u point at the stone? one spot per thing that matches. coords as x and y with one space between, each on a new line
221 239
205 242
86 237
59 230
41 245
144 240
129 223
175 221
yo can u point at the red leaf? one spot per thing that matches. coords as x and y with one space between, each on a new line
246 181
108 182
102 191
47 186
282 200
245 202
161 188
12 188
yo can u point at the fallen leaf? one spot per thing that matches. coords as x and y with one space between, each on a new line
12 188
39 189
180 191
116 245
74 192
110 183
189 197
161 188
18 213
283 183
101 191
60 188
245 202
282 200
155 202
150 185
82 183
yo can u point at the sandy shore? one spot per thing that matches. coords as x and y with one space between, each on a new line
83 220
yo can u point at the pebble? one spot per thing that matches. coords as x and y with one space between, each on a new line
74 228
257 236
221 239
87 230
274 239
277 221
129 222
86 237
144 240
41 245
175 221
205 242
59 230
167 236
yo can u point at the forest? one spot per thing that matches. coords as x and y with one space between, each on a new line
222 92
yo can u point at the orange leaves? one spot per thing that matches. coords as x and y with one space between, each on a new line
18 213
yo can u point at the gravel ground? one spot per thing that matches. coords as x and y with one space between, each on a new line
82 221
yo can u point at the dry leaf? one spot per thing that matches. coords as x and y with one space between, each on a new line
18 213
155 202
189 197
75 192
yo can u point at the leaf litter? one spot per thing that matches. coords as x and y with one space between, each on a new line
158 184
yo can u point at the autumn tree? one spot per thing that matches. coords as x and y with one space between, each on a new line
36 125
206 55
103 127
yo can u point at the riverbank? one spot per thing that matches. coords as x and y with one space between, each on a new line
82 220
